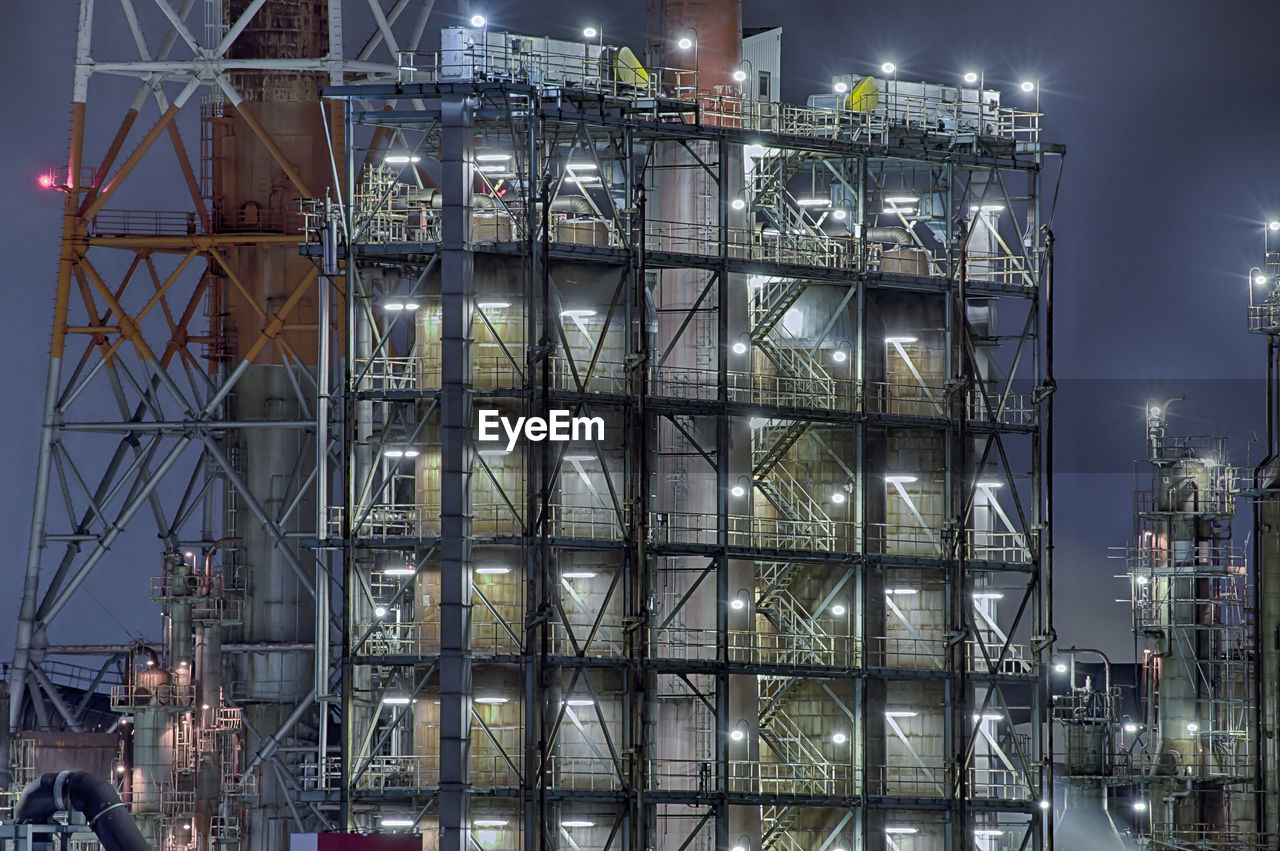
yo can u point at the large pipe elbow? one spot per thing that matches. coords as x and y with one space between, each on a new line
896 236
95 798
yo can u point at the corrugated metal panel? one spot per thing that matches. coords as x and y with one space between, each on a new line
763 53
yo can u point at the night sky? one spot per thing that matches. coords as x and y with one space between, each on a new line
1166 108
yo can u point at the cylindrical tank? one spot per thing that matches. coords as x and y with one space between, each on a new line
255 192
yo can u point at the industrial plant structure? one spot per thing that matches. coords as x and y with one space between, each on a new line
792 591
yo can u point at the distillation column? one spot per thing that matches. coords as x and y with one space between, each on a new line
687 193
257 184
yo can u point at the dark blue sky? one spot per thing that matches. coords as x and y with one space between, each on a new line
1167 111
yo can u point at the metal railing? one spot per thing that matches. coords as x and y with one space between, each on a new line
669 527
765 245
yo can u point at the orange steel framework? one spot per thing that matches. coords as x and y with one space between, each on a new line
185 362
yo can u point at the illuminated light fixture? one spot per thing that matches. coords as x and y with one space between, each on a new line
837 498
1131 728
380 612
737 604
901 199
1154 411
738 204
491 700
841 88
814 202
407 570
737 490
578 574
120 769
590 32
739 348
738 848
489 822
579 701
987 831
1139 806
401 453
839 215
684 43
889 68
990 484
838 356
579 458
906 211
492 158
1192 726
901 831
839 738
987 716
988 595
411 305
1259 279
401 159
1273 225
900 713
737 735
901 341
583 167
577 823
900 480
1044 805
493 305
901 592
397 701
986 208
45 180
585 178
739 75
971 77
393 305
1060 667
838 610
580 313
478 20
397 822
493 571
1027 86
492 169
1140 580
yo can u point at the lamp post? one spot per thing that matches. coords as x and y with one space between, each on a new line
685 43
1030 86
890 71
746 79
595 30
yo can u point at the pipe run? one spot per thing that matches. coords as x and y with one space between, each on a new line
86 793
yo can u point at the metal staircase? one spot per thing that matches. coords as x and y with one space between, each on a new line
811 771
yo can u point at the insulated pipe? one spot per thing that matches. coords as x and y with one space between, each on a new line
897 236
84 792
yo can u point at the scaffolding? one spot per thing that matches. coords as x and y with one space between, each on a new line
792 595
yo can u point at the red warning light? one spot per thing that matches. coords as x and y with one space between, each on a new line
46 180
